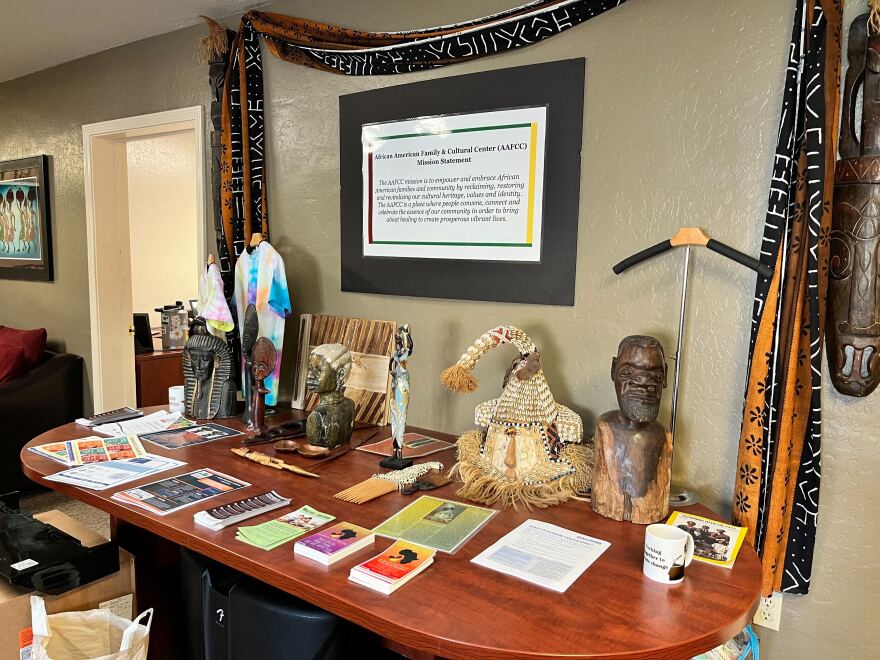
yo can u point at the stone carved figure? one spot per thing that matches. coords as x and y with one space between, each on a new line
331 422
852 330
634 451
207 372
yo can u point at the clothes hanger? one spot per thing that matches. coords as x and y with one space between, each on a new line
256 239
211 259
688 237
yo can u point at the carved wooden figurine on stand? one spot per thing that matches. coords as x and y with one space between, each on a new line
331 422
263 363
852 332
249 332
633 450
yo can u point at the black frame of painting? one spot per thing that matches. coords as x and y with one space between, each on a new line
558 85
43 271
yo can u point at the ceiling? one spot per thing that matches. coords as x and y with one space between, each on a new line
38 34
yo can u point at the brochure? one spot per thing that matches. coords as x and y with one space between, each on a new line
235 512
714 542
436 523
157 421
270 535
543 554
100 476
391 569
93 449
334 543
415 445
175 493
189 436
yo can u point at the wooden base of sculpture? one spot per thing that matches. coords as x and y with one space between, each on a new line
629 483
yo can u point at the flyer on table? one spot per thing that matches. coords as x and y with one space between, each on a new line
465 186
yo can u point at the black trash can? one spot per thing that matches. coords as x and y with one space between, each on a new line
233 617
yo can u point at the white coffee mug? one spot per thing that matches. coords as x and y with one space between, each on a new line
668 550
176 399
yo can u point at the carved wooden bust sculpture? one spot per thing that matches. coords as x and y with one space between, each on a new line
331 422
633 450
207 375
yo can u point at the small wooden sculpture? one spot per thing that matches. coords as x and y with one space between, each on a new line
399 398
331 422
249 332
633 450
852 332
263 363
270 461
207 374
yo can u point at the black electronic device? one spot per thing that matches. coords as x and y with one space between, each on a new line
38 556
143 335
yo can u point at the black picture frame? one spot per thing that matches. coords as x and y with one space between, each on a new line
31 233
558 85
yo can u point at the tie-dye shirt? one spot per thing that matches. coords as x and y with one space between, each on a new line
212 302
260 279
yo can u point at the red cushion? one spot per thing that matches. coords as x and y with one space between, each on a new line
32 343
11 362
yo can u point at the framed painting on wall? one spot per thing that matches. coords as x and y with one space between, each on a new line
25 220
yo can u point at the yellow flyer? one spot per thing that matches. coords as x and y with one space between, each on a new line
714 542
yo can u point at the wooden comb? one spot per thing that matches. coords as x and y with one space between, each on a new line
380 484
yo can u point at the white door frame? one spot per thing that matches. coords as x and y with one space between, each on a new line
113 381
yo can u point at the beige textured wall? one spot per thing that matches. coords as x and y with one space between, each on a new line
163 227
682 105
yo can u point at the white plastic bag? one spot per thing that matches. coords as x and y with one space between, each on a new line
89 635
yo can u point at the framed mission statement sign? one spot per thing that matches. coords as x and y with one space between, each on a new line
467 186
464 187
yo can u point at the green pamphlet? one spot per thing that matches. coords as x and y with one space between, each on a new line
270 535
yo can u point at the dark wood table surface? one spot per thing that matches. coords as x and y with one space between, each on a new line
455 608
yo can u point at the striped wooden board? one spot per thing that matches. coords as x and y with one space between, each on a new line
371 344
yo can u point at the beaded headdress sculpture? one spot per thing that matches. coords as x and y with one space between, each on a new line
531 451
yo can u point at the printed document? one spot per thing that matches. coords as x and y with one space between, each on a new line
543 554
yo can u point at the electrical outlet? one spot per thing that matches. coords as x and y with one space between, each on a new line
769 612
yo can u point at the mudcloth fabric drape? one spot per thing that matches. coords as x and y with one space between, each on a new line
350 52
777 480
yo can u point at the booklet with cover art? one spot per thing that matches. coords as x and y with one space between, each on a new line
391 569
714 542
334 543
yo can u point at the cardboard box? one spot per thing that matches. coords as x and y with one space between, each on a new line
15 605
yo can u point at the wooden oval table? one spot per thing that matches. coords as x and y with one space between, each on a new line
454 609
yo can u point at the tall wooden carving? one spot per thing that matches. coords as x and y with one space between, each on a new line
853 325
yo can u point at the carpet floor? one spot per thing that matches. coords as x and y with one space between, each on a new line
89 516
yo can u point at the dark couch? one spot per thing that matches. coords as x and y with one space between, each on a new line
47 396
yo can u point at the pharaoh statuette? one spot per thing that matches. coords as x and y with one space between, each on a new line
331 422
633 450
207 372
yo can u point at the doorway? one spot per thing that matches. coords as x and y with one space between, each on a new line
145 233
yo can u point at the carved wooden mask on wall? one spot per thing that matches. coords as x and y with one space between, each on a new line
852 330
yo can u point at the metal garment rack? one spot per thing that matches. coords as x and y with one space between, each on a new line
689 237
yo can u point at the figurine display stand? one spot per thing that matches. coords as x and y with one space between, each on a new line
263 363
331 422
688 237
633 451
399 398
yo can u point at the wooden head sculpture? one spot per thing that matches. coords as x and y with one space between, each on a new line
852 329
